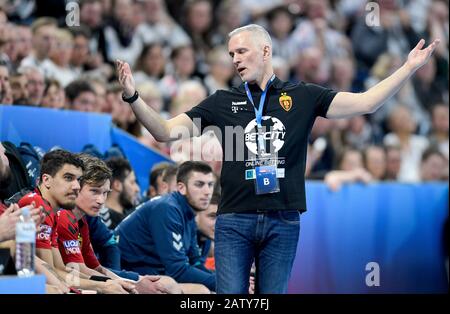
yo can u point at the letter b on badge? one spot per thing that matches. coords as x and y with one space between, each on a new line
266 180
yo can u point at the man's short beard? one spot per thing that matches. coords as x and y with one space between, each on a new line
124 201
5 178
68 205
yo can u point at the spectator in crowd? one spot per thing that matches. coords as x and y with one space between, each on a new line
189 93
436 26
4 40
122 115
159 27
153 95
160 236
309 67
35 84
82 61
6 96
54 96
430 85
220 70
393 162
58 67
433 166
359 133
350 169
44 30
150 65
153 98
350 159
182 69
24 42
9 51
99 86
375 162
315 31
92 15
80 52
229 16
385 65
281 68
323 150
114 105
198 22
80 96
281 23
19 89
395 36
342 74
253 10
124 194
402 126
439 128
7 47
120 33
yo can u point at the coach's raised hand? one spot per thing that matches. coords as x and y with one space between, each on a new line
125 77
418 56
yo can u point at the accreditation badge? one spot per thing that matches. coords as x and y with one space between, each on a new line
266 180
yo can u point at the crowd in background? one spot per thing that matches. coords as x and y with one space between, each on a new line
178 53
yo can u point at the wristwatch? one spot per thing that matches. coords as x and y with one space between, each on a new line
131 99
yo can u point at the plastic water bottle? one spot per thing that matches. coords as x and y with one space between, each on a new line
25 244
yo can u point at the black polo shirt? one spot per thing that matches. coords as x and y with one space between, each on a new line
289 114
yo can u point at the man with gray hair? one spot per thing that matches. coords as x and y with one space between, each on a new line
263 183
35 84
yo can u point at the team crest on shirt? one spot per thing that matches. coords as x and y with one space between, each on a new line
285 101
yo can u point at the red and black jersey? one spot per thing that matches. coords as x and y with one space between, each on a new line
73 240
47 236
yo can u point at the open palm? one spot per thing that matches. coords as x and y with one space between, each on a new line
125 78
418 56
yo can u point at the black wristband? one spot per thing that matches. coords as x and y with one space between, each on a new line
131 99
99 278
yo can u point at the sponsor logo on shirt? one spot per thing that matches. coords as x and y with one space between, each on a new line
45 233
274 135
177 244
72 247
237 105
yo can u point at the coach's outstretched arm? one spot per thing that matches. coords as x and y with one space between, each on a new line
347 104
161 129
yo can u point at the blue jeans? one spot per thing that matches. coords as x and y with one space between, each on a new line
269 238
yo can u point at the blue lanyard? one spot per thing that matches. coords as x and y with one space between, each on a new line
259 110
